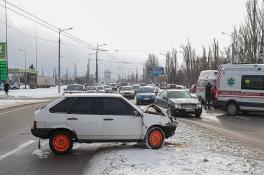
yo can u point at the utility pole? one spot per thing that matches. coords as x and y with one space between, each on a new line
88 70
25 74
96 64
96 60
6 50
59 56
36 49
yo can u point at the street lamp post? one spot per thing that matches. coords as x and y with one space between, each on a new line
97 49
25 74
59 66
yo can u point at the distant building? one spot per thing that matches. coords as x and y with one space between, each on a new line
107 76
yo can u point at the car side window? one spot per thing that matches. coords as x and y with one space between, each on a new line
62 107
116 106
85 105
252 82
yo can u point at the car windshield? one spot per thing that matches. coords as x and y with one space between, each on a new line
90 88
146 90
107 86
172 86
100 88
136 86
127 88
74 87
179 94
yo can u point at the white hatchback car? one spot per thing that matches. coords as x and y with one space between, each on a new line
87 118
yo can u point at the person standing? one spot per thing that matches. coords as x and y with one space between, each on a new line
214 92
6 87
208 96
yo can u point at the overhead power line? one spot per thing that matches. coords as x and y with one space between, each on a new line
27 34
42 22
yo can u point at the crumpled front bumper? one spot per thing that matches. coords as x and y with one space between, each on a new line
170 128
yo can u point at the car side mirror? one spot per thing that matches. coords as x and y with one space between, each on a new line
164 98
64 89
136 113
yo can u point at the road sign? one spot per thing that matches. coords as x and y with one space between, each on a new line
3 71
3 51
155 71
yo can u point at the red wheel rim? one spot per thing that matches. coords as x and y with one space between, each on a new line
155 138
61 143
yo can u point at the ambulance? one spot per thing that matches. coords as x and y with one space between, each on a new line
240 88
205 77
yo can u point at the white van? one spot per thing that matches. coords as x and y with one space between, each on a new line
240 87
205 77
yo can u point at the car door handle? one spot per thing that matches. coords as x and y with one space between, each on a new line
108 119
72 118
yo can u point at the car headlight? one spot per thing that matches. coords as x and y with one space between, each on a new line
177 105
199 105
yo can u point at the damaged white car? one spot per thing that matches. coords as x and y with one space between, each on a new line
87 118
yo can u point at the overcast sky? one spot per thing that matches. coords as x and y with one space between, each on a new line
137 27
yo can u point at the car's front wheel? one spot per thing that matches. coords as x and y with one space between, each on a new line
154 138
61 142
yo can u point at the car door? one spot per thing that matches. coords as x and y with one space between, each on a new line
119 123
85 118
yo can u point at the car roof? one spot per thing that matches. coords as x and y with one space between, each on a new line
92 95
169 90
147 87
74 85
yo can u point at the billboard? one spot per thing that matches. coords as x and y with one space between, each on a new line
155 71
2 51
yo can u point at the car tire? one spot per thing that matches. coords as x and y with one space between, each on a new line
61 142
154 138
137 102
198 115
232 109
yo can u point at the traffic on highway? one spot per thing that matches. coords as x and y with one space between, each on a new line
138 87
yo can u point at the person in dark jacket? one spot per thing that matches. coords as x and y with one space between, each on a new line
208 95
6 87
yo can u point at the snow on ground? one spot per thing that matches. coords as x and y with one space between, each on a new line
32 93
193 150
6 103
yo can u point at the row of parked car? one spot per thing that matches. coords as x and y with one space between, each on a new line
79 88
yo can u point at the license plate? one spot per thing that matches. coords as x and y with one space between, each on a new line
146 98
189 110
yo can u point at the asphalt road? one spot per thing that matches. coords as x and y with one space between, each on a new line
19 153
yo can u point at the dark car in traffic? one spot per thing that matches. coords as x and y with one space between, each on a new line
179 102
145 95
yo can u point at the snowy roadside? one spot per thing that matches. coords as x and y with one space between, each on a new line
32 93
27 96
193 150
7 103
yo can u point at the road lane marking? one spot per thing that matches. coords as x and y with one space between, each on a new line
18 109
244 118
20 147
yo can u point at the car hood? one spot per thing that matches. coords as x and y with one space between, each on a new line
131 91
90 90
146 94
72 91
184 100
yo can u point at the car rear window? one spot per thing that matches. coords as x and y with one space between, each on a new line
62 107
85 105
